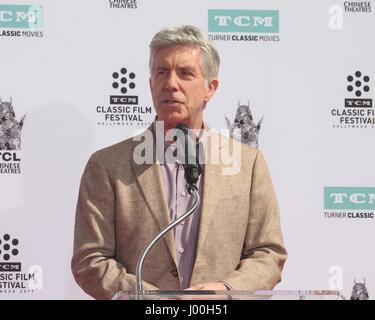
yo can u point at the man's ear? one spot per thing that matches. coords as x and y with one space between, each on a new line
212 86
149 82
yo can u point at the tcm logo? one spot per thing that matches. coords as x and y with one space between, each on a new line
349 198
358 84
124 82
255 21
9 249
21 16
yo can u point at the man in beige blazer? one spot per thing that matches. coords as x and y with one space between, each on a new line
123 204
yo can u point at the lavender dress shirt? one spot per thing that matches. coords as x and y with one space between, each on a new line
179 201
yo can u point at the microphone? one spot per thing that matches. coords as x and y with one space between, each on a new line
191 163
192 172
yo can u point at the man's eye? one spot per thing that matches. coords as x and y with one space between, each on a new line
235 120
186 73
242 122
160 72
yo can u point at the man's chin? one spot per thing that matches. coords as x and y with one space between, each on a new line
172 120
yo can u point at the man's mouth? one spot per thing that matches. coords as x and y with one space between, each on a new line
169 101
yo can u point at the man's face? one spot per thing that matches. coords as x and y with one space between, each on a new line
178 87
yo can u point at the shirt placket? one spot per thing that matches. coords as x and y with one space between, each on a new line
181 207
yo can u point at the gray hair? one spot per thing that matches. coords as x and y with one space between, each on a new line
188 35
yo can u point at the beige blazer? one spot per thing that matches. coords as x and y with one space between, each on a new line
122 205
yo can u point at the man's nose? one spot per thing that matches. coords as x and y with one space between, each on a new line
172 82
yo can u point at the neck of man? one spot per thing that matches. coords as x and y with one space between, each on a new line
196 127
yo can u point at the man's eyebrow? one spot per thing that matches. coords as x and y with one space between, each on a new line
187 68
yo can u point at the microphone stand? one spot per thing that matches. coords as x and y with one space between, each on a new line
192 189
192 172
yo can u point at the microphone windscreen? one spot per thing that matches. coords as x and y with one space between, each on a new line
185 142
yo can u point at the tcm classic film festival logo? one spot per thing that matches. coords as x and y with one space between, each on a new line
357 110
124 108
10 139
349 202
21 20
12 279
243 25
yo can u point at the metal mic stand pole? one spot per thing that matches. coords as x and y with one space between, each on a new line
192 189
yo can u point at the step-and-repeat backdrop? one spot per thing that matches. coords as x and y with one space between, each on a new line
74 78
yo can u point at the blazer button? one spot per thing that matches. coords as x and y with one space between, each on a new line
174 273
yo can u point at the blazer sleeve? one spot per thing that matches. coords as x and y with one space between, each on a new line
264 253
94 264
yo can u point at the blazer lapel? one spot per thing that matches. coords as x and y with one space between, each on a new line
150 183
213 179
